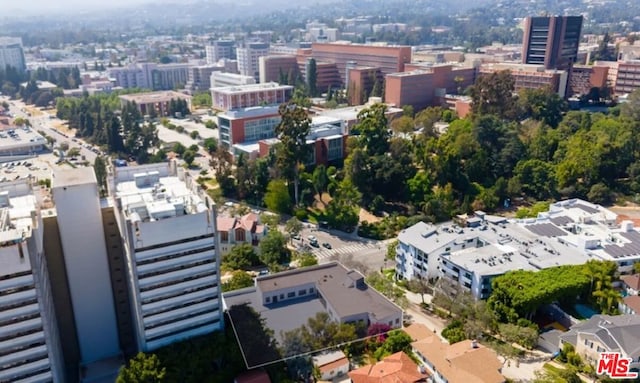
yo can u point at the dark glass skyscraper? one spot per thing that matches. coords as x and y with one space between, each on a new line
551 41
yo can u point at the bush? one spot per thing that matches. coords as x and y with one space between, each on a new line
301 214
454 332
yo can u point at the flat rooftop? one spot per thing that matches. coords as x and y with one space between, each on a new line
18 206
351 113
151 193
254 111
73 177
237 89
150 97
16 137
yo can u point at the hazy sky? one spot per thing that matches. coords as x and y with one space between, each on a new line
40 6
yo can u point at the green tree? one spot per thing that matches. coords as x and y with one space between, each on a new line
273 250
493 94
293 227
277 198
100 168
320 180
143 368
306 260
239 280
241 257
542 104
293 151
374 133
396 341
210 144
403 124
188 157
343 211
312 77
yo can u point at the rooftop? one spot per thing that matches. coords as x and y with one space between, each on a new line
462 362
73 177
618 333
253 111
633 281
149 97
633 302
18 207
351 113
20 136
154 192
396 368
251 88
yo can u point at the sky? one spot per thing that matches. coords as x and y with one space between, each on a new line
42 6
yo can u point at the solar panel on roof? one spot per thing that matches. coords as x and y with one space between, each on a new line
586 208
546 229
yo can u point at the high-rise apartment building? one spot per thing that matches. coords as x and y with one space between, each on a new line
248 58
551 41
30 348
11 53
169 228
76 195
218 50
151 76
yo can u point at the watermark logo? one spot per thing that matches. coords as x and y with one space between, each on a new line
615 365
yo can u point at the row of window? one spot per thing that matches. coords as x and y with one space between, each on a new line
291 294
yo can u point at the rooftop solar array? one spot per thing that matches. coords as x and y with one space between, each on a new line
546 230
561 220
627 249
586 208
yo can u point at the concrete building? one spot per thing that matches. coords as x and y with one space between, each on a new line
349 116
247 124
627 77
276 67
30 344
222 79
427 85
150 76
287 299
20 141
570 233
606 333
331 364
362 81
584 78
232 231
157 103
218 50
532 76
169 228
86 263
551 41
248 58
246 96
200 77
390 59
328 143
12 54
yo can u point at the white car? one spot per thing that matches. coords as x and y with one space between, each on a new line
312 238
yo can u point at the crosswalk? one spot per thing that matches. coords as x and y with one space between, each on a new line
323 253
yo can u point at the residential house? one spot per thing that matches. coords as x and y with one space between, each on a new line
236 230
631 283
396 368
331 364
606 333
462 362
630 305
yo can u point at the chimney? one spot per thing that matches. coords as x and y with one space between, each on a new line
474 343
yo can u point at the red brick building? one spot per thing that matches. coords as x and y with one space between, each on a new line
362 80
584 77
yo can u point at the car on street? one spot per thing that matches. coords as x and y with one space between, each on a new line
326 245
314 244
296 237
312 238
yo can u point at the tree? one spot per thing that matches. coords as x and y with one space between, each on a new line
542 104
210 144
277 198
241 257
343 211
373 130
293 227
143 368
636 267
100 168
293 151
320 180
403 124
273 250
525 336
239 280
396 341
493 94
306 260
188 157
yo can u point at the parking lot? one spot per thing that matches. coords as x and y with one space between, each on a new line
38 168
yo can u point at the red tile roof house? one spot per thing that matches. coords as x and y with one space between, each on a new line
236 230
631 283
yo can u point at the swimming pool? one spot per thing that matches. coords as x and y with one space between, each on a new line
584 311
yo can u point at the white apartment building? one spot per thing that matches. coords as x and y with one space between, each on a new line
246 96
169 228
200 77
76 196
570 233
151 76
11 53
30 349
248 59
222 79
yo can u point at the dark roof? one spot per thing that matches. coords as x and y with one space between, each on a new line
561 220
586 208
631 248
546 230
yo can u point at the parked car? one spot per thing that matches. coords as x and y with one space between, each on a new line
296 237
326 245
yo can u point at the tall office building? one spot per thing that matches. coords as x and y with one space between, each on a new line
168 224
218 50
82 238
11 53
249 59
551 41
30 349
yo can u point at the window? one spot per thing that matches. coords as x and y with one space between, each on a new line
268 299
334 151
397 320
302 292
291 294
311 290
224 236
281 296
